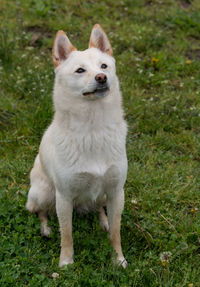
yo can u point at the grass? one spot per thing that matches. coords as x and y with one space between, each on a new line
156 45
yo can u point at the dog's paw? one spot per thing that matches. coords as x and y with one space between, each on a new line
66 261
121 261
45 231
104 224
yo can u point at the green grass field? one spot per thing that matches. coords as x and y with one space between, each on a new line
157 47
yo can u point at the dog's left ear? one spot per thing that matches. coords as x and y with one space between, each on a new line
99 40
62 47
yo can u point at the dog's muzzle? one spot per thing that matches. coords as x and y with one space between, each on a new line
99 91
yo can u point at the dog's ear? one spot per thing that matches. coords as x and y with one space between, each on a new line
99 40
62 47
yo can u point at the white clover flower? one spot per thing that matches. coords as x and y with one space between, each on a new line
137 270
55 275
165 257
133 201
151 75
29 48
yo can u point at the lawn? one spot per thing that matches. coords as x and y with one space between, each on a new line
157 48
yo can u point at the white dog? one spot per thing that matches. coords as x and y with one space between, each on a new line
82 159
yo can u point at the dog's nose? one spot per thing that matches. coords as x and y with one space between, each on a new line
101 78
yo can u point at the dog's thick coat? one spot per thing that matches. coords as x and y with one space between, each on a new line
82 157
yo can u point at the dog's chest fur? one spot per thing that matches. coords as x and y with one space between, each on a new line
89 156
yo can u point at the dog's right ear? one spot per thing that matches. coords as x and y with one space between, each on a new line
62 47
99 40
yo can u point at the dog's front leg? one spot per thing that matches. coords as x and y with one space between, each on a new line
64 209
115 205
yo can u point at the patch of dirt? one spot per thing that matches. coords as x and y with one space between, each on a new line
193 54
38 33
5 118
185 3
39 29
152 2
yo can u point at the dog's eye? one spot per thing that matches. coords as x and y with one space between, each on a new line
104 66
80 70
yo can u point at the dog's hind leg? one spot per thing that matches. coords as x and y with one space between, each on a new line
41 196
103 220
45 229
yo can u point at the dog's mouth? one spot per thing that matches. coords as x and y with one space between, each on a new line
97 91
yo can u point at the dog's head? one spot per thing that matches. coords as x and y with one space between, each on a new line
89 74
